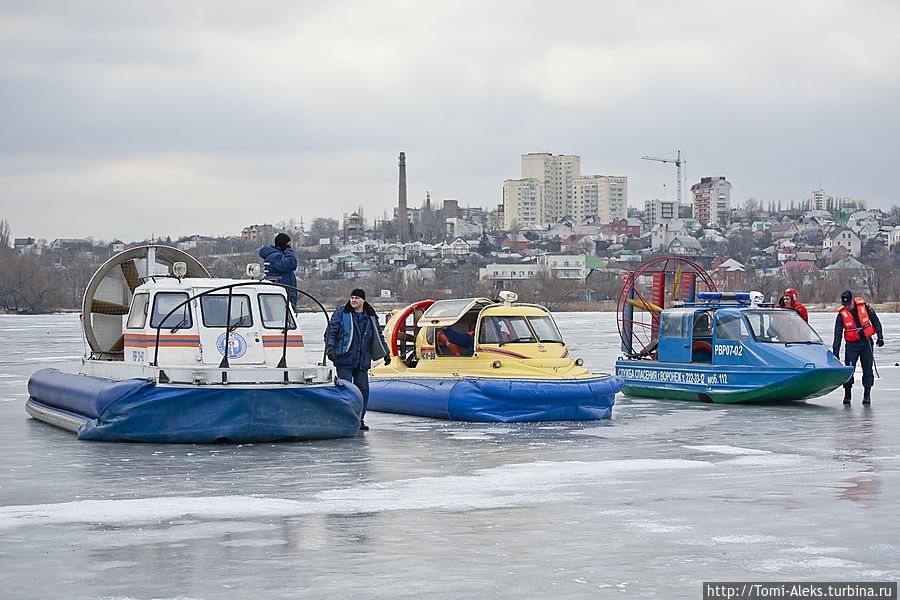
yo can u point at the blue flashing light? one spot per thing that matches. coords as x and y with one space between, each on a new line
740 296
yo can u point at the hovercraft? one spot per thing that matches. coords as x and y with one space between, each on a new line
516 366
723 347
182 357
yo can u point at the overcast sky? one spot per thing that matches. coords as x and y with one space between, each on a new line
129 119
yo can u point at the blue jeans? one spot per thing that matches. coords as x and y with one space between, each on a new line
360 378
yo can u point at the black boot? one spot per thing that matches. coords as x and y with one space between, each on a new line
846 395
363 426
867 395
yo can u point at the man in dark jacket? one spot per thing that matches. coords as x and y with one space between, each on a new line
856 324
280 262
354 339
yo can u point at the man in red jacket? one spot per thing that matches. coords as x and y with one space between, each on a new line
789 300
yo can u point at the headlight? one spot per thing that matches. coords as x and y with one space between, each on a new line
254 271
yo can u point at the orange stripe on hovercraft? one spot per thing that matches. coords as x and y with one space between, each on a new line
294 341
503 352
148 341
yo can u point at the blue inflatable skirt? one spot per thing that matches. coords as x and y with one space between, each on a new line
140 410
496 400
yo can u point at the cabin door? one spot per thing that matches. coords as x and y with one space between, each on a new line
243 339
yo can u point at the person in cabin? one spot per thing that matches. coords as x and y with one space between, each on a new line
460 343
857 324
353 340
280 264
789 300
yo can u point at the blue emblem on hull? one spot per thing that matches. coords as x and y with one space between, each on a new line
237 345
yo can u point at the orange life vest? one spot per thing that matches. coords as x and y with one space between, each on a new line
851 329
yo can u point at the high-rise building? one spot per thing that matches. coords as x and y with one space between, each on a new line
558 175
564 192
660 211
819 200
523 200
712 200
601 196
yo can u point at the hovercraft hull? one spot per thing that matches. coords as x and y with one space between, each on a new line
501 400
141 410
719 384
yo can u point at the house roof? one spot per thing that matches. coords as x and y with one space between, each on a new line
800 265
783 227
847 263
732 265
838 230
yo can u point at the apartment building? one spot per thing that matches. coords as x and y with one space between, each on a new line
712 200
564 192
558 174
660 211
523 203
601 196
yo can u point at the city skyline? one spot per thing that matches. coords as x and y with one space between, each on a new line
124 120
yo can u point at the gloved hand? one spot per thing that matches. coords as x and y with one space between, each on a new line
329 352
879 343
387 360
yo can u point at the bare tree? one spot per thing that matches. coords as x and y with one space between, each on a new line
26 285
879 280
324 228
556 293
751 206
5 235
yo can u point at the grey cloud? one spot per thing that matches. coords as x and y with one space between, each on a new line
305 105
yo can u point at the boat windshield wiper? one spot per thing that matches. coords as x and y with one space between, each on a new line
235 323
552 341
184 323
521 339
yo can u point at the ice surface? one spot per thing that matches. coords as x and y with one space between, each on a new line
648 504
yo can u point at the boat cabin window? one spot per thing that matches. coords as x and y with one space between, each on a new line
675 323
502 330
545 329
701 345
215 308
446 308
163 303
137 316
272 308
702 325
731 327
781 327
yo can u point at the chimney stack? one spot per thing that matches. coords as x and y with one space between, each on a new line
402 220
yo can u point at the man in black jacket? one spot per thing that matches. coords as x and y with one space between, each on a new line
856 324
352 341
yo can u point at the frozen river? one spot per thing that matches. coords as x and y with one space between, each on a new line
648 504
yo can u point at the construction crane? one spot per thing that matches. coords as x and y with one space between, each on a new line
678 162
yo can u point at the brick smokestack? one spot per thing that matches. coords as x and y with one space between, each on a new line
402 220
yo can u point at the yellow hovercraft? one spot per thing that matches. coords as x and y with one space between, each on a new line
477 360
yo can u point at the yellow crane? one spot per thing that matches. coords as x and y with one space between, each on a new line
678 162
